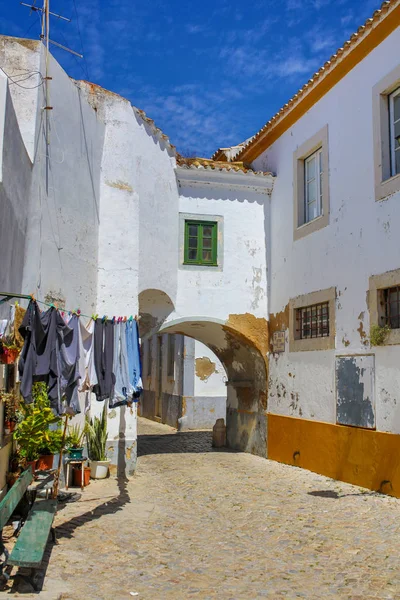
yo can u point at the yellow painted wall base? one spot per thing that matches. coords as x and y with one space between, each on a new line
370 459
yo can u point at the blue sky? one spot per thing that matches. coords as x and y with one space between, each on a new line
211 73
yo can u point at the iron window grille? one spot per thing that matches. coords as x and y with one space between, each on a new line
391 301
312 321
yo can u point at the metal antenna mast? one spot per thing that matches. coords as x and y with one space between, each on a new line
45 37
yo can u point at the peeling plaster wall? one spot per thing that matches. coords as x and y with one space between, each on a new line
210 376
243 277
360 240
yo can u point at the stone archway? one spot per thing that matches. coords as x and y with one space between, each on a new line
241 344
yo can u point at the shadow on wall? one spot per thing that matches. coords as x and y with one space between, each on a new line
240 343
154 308
159 138
233 195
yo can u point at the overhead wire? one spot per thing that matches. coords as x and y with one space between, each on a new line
16 81
80 37
51 304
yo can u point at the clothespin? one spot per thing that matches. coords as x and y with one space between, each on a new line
130 318
33 298
95 316
78 312
113 320
62 313
125 319
104 318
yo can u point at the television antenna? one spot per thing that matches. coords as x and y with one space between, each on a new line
45 14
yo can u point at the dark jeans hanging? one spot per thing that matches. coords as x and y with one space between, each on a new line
103 359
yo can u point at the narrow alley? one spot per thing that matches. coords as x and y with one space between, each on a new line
197 523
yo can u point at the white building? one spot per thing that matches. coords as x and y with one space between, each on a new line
279 254
184 383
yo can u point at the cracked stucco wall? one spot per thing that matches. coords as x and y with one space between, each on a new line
359 241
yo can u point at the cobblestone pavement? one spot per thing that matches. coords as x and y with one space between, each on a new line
199 524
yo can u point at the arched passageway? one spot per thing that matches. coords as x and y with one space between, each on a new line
240 346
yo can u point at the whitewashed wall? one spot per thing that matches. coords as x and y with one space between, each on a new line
361 240
14 196
243 276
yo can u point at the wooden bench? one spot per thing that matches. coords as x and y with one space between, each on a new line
31 543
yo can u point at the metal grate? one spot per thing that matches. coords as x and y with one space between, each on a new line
391 297
313 321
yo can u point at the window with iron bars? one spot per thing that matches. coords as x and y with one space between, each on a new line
391 302
312 321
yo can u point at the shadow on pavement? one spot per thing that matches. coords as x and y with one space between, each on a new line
177 443
336 496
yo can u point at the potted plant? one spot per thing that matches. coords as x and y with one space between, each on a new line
74 441
9 353
52 444
32 432
10 402
96 436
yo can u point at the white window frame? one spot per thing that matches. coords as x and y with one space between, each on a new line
317 143
319 172
392 124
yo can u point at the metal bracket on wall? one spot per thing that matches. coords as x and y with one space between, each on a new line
10 296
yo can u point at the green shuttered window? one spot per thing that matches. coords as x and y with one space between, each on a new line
201 241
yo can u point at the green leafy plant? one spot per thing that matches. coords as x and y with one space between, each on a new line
53 444
378 334
32 432
39 395
75 436
96 436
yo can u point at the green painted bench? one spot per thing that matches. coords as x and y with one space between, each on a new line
31 543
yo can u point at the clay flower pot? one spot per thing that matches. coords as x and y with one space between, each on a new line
77 476
45 462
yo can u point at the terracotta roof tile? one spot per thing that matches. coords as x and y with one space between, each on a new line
216 165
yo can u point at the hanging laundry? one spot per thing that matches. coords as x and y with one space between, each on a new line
40 359
134 361
69 355
18 318
103 348
3 326
86 365
123 389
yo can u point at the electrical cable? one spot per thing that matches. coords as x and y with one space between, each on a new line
65 310
15 82
80 37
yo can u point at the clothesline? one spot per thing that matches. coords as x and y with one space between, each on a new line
10 296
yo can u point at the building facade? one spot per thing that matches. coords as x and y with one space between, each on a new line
279 255
184 383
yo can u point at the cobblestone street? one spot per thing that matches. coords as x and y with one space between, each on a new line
195 523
